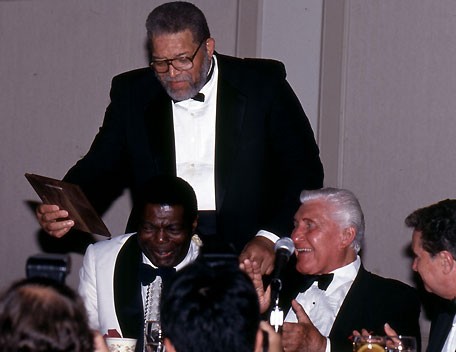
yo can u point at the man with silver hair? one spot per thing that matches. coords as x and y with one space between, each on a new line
331 293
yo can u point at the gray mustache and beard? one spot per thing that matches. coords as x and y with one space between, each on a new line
194 87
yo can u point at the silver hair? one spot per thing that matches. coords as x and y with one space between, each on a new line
347 210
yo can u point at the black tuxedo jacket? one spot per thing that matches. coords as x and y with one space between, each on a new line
127 292
440 328
265 151
371 302
127 289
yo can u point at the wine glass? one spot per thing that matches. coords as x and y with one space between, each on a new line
153 339
400 344
369 343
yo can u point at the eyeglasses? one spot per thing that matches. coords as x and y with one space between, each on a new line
182 63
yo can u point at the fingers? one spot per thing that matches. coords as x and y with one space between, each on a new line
50 219
363 332
274 339
252 269
260 250
300 312
99 342
389 330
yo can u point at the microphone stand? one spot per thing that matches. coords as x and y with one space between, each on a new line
283 248
276 315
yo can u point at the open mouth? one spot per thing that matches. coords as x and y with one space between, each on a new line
303 250
163 253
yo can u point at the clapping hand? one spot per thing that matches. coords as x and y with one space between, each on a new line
252 269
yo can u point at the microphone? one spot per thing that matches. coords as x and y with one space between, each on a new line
284 249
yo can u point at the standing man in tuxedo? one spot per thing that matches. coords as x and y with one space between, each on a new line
121 278
332 294
434 248
233 128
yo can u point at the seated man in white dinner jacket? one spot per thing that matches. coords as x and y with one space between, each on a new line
121 278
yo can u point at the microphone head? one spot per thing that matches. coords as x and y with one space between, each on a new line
285 243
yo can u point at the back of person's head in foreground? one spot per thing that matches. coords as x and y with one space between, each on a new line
210 308
40 314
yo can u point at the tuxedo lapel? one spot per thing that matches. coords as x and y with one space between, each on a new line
439 331
229 119
160 131
348 314
127 289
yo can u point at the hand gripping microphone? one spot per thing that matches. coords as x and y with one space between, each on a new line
284 249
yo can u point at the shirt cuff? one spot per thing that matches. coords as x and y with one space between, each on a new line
268 235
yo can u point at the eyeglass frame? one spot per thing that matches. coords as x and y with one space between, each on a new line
170 61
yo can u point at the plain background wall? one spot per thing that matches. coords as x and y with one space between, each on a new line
387 127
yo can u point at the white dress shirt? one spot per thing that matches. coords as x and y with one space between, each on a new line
450 343
322 306
151 308
194 131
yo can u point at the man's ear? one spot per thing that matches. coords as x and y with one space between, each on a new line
169 347
348 236
194 224
258 341
210 47
447 261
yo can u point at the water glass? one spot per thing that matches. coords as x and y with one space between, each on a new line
371 343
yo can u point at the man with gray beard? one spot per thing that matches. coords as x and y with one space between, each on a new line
233 128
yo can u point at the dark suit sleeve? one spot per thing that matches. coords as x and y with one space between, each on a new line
101 173
266 153
294 154
119 156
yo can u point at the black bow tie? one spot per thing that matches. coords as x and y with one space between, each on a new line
323 280
199 97
147 274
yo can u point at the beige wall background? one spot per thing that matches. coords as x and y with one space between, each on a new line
376 78
387 116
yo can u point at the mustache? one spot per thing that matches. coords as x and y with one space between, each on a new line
177 79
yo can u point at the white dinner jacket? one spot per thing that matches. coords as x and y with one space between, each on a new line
96 280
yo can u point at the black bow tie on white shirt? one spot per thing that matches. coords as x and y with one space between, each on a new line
147 274
199 97
323 280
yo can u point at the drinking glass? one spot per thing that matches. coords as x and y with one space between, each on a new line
400 344
153 337
366 343
372 343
